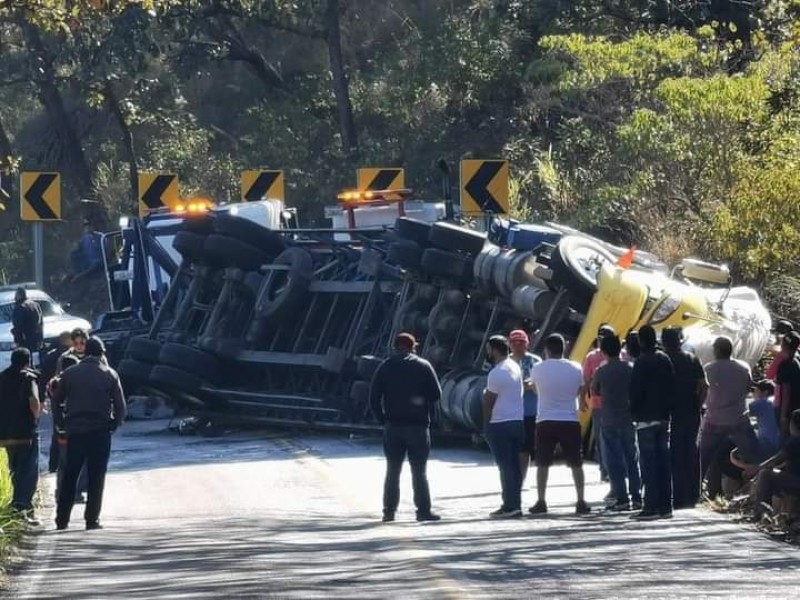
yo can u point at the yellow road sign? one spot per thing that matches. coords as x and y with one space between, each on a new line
484 186
263 184
40 196
380 178
157 190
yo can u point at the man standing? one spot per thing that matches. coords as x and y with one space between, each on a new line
519 342
404 396
94 407
788 379
77 348
591 363
503 418
559 383
48 371
19 429
612 382
26 320
652 390
690 393
726 417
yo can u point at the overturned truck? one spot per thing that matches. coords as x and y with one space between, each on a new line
287 326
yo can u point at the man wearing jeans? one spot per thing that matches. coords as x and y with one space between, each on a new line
652 390
19 429
404 396
726 417
503 419
612 382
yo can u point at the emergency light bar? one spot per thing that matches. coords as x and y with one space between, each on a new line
368 196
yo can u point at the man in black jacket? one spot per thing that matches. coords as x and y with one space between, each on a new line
404 396
652 391
27 323
690 393
19 429
94 407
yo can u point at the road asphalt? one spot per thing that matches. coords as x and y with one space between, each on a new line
275 514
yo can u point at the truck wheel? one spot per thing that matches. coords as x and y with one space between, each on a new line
190 359
448 236
170 378
405 253
413 230
283 291
366 367
144 349
133 370
576 263
266 240
232 252
449 265
189 244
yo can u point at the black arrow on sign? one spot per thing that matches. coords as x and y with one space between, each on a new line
261 186
384 179
153 195
478 187
35 196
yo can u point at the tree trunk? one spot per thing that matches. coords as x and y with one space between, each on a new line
128 149
78 168
341 86
6 168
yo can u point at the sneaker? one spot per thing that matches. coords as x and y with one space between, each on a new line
636 504
429 516
388 517
619 507
32 521
665 515
539 508
646 515
506 513
610 499
581 508
93 525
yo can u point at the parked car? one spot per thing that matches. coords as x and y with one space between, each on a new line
55 318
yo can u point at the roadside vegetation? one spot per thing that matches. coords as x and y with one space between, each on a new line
674 126
11 527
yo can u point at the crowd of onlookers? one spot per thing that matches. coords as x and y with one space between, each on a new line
667 430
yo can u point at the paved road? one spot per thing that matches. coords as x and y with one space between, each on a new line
269 516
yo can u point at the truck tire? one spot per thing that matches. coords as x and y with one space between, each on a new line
575 263
266 240
144 349
190 359
448 236
405 253
133 370
170 378
366 367
283 292
189 244
413 230
231 252
449 265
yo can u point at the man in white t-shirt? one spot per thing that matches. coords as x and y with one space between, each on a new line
502 416
559 383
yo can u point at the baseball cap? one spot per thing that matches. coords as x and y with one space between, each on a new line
783 327
518 335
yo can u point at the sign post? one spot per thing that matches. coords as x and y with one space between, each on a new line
39 200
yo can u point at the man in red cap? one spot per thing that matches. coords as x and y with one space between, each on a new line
404 396
519 342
